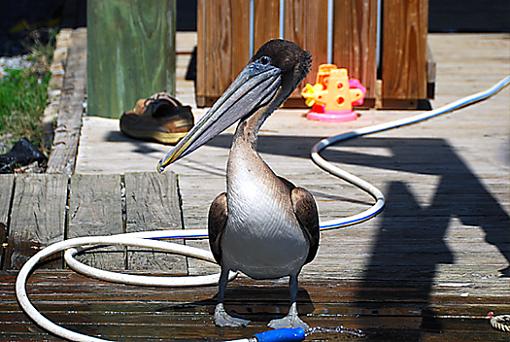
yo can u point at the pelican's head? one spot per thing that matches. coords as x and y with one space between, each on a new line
268 79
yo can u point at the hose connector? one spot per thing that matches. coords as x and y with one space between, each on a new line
281 335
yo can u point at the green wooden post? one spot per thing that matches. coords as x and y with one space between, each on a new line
131 53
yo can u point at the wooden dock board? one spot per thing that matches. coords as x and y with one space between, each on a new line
152 202
388 310
69 117
95 209
6 188
37 217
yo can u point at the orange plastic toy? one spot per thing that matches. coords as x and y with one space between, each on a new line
333 95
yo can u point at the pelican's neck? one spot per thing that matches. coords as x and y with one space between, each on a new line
247 130
243 156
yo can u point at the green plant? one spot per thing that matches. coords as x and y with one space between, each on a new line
23 95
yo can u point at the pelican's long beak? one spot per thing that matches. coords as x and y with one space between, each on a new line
255 86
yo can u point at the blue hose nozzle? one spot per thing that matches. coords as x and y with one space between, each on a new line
282 335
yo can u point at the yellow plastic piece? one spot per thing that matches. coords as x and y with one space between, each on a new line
331 90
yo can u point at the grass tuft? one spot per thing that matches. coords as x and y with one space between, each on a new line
23 96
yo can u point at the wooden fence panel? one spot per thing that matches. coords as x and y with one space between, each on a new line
316 35
201 81
223 36
295 30
240 30
303 27
404 53
355 40
223 46
267 22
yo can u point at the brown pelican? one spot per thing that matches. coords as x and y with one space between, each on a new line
263 226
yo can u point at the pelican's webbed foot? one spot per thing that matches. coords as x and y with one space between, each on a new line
292 320
223 319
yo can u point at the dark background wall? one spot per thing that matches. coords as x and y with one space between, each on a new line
469 15
20 17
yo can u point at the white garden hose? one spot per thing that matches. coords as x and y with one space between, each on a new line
149 239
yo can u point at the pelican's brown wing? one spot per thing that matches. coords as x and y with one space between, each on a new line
307 215
216 224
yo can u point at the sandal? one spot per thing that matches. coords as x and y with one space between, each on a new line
160 118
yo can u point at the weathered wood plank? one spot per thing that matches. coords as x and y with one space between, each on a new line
267 19
295 31
404 52
355 39
444 293
240 10
67 133
316 36
385 310
218 38
95 209
131 53
152 203
56 83
37 217
6 192
201 81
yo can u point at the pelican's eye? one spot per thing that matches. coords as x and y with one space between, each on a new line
265 60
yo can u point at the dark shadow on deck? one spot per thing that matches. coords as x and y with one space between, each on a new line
459 192
255 303
410 242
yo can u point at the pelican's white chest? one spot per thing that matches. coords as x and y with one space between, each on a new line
262 236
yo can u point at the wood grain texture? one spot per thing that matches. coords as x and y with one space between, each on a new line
316 38
295 31
223 45
6 188
240 31
355 39
152 203
267 22
404 49
131 53
56 83
219 46
95 209
67 133
201 81
306 25
37 217
385 311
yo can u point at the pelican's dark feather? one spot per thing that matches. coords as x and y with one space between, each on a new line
307 214
216 225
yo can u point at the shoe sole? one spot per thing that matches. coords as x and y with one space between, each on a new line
165 138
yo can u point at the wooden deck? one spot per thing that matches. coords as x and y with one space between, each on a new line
429 268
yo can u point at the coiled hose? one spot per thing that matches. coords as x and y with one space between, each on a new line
150 239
